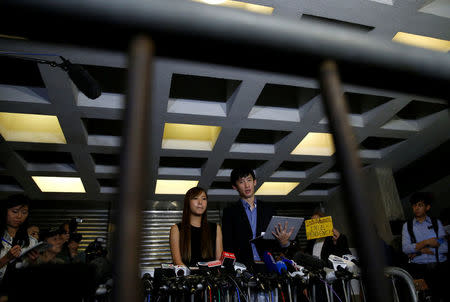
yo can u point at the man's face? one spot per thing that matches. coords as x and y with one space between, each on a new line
56 242
73 245
420 209
245 186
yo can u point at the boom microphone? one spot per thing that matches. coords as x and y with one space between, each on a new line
82 79
309 262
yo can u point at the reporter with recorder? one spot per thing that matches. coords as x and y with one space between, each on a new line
195 239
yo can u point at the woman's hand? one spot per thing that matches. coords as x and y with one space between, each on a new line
14 252
336 235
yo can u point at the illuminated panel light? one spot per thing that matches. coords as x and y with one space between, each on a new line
422 41
276 188
190 137
260 9
314 143
59 184
164 186
33 128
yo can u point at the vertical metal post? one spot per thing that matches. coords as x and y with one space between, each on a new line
358 207
133 172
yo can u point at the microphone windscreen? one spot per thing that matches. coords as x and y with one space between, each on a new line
308 261
83 80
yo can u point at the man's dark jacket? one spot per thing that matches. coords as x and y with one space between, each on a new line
237 231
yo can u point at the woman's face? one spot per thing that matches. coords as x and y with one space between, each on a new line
16 216
198 204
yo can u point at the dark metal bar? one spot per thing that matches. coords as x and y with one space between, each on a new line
133 176
357 205
230 37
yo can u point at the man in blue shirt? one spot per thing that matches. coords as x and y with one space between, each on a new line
426 248
246 219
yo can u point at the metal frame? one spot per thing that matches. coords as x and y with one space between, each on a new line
212 35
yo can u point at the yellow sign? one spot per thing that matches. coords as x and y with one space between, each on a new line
318 228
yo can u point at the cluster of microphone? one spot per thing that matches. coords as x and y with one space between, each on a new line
279 279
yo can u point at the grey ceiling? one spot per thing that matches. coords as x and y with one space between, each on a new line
263 115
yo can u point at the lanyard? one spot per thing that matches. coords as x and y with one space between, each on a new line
3 239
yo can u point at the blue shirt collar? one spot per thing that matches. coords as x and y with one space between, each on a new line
246 205
427 219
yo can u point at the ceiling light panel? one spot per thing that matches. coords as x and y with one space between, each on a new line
422 41
260 9
190 137
315 143
32 128
166 186
276 188
59 184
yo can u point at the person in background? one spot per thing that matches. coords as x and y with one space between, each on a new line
33 231
423 240
73 244
195 239
53 237
332 245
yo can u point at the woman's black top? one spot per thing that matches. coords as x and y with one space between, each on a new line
196 243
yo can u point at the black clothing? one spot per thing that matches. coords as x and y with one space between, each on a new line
237 231
196 243
329 248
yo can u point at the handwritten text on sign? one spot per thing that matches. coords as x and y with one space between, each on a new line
318 228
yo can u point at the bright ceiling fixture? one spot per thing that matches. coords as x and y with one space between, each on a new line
276 188
422 41
170 186
190 137
315 143
214 2
59 184
32 128
255 8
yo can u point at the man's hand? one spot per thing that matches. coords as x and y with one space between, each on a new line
282 234
426 250
14 252
433 242
32 256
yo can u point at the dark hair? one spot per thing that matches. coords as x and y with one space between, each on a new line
75 237
50 232
240 172
185 232
319 213
426 197
21 238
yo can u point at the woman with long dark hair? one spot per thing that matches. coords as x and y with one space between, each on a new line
195 239
13 229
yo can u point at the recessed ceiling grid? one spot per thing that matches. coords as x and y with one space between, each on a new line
262 116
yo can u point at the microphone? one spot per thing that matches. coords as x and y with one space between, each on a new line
228 259
311 263
82 79
281 268
270 262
